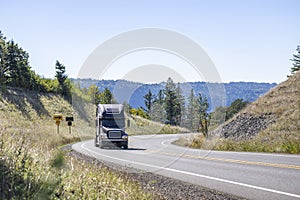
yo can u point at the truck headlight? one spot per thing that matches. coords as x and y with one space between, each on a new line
103 136
125 137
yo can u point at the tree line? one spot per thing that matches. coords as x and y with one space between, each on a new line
169 106
95 96
15 71
14 65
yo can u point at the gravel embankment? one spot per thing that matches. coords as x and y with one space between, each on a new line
245 126
161 187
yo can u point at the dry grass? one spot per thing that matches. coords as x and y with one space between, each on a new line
32 164
142 126
279 100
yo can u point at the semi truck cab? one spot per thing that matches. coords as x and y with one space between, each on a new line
110 126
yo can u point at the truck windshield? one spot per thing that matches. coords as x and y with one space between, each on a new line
113 123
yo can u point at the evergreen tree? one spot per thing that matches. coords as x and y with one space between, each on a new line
235 107
65 86
157 112
160 98
106 97
148 99
179 105
170 101
97 97
12 63
60 73
24 71
296 61
191 114
4 69
203 115
18 70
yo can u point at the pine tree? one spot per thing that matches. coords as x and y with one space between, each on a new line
65 85
12 63
160 98
191 119
179 105
148 100
4 69
157 112
296 61
60 73
106 97
15 69
203 115
19 72
170 101
14 66
235 107
25 73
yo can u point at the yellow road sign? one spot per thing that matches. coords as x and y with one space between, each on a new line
58 117
57 122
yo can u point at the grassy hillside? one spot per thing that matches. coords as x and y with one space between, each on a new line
270 124
32 166
142 126
283 135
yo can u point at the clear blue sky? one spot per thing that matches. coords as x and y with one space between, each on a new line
248 40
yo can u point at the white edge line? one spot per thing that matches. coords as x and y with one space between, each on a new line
231 152
194 174
241 152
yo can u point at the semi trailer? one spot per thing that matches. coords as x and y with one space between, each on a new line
110 126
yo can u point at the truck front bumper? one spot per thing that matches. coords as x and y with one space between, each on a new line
114 142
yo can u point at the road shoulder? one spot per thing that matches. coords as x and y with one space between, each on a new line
160 186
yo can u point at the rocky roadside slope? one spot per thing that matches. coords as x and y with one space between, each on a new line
246 126
275 114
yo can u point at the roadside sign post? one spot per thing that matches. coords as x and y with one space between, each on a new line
128 123
69 120
57 118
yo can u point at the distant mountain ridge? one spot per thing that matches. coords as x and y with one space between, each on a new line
133 92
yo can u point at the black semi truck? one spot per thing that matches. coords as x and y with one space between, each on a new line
110 126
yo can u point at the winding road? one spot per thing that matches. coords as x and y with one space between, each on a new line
248 175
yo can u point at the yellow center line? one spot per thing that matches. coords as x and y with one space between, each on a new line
277 165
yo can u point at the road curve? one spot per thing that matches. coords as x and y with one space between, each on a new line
248 175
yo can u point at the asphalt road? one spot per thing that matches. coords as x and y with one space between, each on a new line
248 175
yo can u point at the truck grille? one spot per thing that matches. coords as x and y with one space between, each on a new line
114 134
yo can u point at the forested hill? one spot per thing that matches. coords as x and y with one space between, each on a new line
122 90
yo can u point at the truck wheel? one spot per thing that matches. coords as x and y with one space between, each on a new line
96 142
125 146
